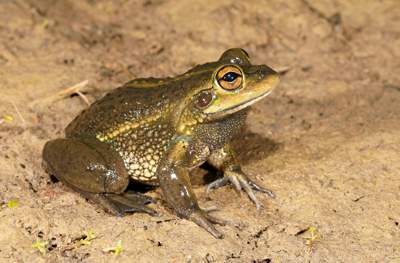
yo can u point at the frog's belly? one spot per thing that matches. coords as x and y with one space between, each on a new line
142 151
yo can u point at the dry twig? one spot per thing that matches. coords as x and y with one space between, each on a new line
19 113
76 89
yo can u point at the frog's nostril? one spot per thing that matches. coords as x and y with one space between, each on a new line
262 72
265 71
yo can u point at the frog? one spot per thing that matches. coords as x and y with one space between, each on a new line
156 131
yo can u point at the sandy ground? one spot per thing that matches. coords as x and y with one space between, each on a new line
327 141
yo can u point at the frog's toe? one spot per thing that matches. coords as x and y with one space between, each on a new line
215 220
262 189
210 209
241 182
139 197
207 222
217 184
249 191
130 203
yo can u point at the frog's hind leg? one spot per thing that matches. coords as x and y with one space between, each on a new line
96 171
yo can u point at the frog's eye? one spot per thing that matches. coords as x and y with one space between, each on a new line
230 78
203 99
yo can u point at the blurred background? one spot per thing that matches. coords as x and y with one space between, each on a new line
327 141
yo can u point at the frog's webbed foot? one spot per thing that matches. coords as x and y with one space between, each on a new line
240 182
124 203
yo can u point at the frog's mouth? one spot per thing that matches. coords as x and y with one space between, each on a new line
243 105
230 103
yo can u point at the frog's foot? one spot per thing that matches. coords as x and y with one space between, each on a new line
241 182
130 202
124 203
203 219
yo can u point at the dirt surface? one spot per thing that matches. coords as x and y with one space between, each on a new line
327 141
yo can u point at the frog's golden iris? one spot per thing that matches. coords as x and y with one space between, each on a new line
230 77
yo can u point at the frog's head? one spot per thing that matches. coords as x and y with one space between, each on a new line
235 84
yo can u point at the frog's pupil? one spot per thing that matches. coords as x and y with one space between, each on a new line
230 76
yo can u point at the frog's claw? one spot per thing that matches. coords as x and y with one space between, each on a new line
240 182
206 221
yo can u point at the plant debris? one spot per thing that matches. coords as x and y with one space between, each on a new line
311 236
12 203
78 89
89 236
6 118
41 246
117 250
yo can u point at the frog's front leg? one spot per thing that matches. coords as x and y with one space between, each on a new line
173 176
225 160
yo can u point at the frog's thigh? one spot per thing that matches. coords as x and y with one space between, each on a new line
86 166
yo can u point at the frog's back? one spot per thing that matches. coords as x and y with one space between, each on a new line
123 108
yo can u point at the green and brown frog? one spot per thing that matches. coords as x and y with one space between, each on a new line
156 131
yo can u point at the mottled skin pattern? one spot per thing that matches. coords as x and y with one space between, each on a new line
156 130
140 146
